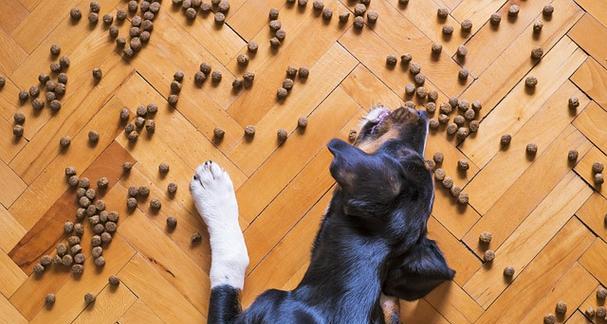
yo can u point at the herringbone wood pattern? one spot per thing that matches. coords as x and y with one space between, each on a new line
546 216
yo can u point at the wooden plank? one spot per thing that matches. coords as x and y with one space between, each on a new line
8 313
12 54
11 14
451 301
477 11
174 265
250 18
12 276
584 168
518 107
591 123
9 104
544 274
588 33
157 293
528 239
288 257
368 90
11 231
591 77
319 91
386 38
9 179
51 184
595 261
593 213
139 313
274 174
591 301
514 62
420 311
527 192
504 166
110 304
598 9
578 318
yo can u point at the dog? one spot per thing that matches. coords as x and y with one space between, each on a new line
372 240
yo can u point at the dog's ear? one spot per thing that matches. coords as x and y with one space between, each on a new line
345 157
421 270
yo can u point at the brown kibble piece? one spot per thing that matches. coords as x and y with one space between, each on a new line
495 19
463 198
163 168
391 60
548 10
598 179
171 223
509 272
155 204
601 293
530 82
173 99
488 256
466 25
442 13
359 22
601 312
84 183
282 135
463 165
281 93
302 123
549 318
505 140
560 308
439 174
131 203
485 237
172 188
597 167
49 300
573 102
572 156
447 30
436 49
372 17
447 182
537 53
113 281
75 14
77 269
100 261
438 157
196 238
531 149
89 298
589 311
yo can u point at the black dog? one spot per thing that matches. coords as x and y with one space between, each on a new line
371 241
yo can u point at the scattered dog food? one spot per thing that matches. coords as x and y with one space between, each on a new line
466 25
462 51
531 82
173 99
513 10
601 312
372 17
463 198
172 188
18 131
163 168
531 149
97 74
537 53
281 93
171 223
447 30
439 174
359 9
463 74
155 204
455 191
131 203
505 140
447 182
49 300
391 60
572 156
438 157
598 179
463 165
442 13
359 22
597 167
75 14
601 293
548 10
113 281
509 272
89 298
589 311
436 49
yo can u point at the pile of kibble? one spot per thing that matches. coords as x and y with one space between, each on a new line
191 9
144 119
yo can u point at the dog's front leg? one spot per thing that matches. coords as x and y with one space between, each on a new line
214 197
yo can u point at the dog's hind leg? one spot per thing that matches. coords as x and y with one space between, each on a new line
213 195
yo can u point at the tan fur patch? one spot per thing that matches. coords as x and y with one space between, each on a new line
372 146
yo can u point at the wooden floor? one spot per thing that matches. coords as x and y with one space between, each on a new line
546 215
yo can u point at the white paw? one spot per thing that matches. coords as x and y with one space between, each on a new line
213 194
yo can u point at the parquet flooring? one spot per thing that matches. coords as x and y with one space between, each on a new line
547 215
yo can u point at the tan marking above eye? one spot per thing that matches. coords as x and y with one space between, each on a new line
371 146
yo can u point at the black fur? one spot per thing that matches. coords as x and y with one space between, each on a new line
372 239
224 305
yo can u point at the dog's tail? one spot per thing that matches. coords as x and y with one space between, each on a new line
224 306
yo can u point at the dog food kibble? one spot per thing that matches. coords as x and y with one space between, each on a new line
505 140
391 60
73 181
469 114
445 108
131 203
108 19
430 165
113 281
436 49
344 16
513 10
171 223
281 93
495 19
68 227
196 238
359 22
318 5
549 318
466 25
216 76
275 25
79 258
352 135
531 149
447 182
163 168
601 293
560 308
589 311
430 106
530 82
463 74
49 300
488 256
106 237
97 74
574 102
38 269
76 248
89 298
23 96
508 272
34 91
75 14
451 128
598 179
38 104
359 9
433 124
438 157
463 165
597 167
110 227
84 183
459 120
77 269
439 174
242 59
55 105
548 10
463 198
572 156
46 260
61 249
447 30
302 123
55 49
455 191
485 237
601 312
274 42
93 18
96 251
409 89
113 31
73 240
155 204
281 135
442 13
537 53
372 17
173 99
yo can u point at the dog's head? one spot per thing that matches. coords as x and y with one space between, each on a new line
386 189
